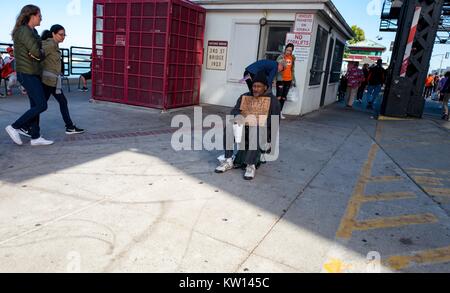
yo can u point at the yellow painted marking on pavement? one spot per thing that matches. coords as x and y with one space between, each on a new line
387 196
395 222
442 172
348 221
383 179
417 169
428 180
437 191
433 256
386 118
421 172
336 266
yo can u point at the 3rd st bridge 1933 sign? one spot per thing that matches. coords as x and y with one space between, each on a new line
217 55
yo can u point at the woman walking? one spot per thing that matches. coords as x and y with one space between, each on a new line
285 78
51 74
29 53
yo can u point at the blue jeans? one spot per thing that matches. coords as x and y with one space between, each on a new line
373 91
38 104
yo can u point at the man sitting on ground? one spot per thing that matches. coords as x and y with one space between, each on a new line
255 111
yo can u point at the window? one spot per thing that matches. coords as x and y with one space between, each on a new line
319 57
273 38
337 62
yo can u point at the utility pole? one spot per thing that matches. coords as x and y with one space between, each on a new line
418 23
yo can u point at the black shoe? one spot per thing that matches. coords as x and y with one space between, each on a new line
74 130
24 132
84 89
445 117
369 106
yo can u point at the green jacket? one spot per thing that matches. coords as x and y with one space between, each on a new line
52 61
27 41
280 60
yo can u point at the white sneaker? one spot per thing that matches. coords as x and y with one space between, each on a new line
41 141
15 136
282 117
250 172
225 166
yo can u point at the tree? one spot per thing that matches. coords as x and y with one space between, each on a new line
359 35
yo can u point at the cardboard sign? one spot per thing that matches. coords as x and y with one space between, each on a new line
216 58
304 23
255 110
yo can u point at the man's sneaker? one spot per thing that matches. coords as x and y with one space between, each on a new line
41 141
84 89
225 166
24 132
282 117
250 172
14 134
445 117
74 130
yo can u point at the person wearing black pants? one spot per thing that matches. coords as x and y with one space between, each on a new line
29 54
285 78
51 76
247 105
283 88
63 105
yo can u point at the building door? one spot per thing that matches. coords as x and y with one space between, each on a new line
244 48
327 73
273 39
111 38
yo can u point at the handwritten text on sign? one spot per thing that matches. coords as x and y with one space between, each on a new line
217 55
304 23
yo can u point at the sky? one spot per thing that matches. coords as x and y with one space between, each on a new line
76 17
366 15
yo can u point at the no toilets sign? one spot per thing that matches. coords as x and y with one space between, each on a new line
302 45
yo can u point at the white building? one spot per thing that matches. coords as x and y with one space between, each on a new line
240 32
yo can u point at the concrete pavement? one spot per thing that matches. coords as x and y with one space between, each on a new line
348 194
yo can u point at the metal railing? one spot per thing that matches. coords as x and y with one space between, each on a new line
75 60
3 47
80 60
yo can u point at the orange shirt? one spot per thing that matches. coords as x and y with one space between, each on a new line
287 72
429 81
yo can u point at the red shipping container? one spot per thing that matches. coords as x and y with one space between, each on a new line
148 52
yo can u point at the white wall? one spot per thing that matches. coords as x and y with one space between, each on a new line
222 87
313 94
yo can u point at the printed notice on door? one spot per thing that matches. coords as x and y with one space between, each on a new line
304 23
216 58
302 45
